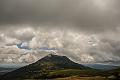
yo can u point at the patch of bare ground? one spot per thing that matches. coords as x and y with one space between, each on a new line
83 78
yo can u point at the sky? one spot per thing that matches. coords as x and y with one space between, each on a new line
86 31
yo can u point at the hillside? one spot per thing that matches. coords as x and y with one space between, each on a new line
50 66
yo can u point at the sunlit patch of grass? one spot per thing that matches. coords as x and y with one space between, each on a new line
82 78
69 72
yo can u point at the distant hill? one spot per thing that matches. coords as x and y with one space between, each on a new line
4 70
111 72
50 66
101 66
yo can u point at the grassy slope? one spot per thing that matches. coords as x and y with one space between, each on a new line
50 74
71 74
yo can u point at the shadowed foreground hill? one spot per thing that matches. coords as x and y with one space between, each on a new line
51 66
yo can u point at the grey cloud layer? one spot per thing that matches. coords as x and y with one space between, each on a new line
82 14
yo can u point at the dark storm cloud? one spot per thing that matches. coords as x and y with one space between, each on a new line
82 14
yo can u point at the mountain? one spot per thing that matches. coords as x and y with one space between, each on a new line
58 62
47 67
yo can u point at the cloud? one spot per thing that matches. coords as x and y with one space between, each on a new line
28 58
9 50
78 46
7 40
24 34
83 30
12 54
